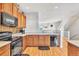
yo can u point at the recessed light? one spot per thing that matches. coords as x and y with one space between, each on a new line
56 7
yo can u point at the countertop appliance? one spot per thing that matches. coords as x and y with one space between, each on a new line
22 31
16 42
8 20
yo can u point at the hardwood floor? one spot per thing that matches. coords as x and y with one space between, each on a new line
34 51
54 51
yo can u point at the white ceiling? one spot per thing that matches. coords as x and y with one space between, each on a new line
51 11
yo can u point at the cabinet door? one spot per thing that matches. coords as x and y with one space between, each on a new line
0 7
15 10
19 20
41 40
5 50
23 20
24 43
73 50
35 40
7 7
29 40
47 40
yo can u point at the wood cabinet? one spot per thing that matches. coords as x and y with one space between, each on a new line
21 20
29 40
6 7
73 50
37 40
24 43
47 40
5 50
15 10
0 7
24 21
41 40
44 40
11 8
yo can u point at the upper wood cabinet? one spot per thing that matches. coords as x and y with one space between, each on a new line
0 7
21 20
11 8
6 7
15 10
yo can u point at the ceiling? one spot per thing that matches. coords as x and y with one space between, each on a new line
49 12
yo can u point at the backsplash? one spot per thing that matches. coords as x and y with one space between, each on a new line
10 29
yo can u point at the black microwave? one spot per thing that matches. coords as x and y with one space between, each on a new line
8 20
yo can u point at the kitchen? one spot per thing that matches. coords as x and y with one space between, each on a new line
27 29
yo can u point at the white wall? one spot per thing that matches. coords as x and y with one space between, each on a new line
74 30
32 22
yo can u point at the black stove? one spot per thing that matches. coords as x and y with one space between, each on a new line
5 36
16 42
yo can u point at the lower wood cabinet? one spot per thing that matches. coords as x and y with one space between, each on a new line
47 40
5 50
24 43
29 41
37 40
73 50
41 40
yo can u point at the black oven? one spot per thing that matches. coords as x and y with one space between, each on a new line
16 43
16 46
8 20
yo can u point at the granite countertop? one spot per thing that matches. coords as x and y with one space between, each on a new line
3 43
74 42
20 34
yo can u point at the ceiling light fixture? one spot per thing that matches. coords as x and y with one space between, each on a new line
56 7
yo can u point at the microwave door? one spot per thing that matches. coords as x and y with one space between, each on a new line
9 20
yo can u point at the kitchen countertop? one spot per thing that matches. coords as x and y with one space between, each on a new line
74 42
20 34
3 43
